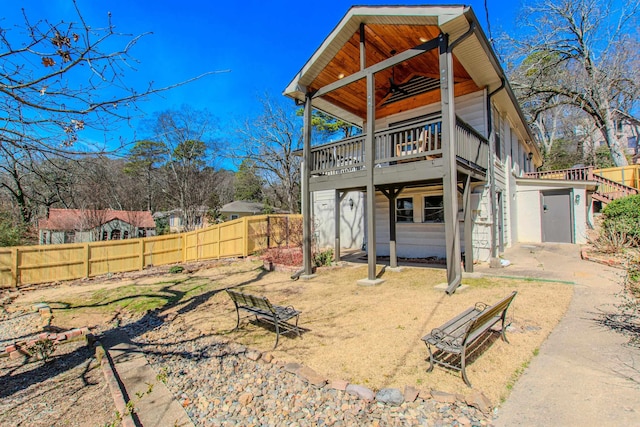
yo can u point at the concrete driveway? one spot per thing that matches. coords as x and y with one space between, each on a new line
585 373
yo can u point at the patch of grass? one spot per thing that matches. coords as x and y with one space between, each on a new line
518 373
139 298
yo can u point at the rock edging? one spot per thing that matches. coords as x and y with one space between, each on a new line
387 396
22 348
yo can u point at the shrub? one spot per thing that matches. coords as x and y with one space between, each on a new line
324 258
622 218
176 269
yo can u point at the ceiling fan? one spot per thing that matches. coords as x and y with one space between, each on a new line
393 87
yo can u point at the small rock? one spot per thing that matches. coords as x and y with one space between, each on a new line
245 398
425 395
410 393
464 421
338 385
267 357
361 391
479 401
390 396
292 367
311 376
443 397
253 355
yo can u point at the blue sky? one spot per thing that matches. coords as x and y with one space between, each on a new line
263 43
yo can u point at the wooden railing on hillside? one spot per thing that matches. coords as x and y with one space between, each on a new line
239 238
607 191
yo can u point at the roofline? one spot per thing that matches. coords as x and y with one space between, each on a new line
467 12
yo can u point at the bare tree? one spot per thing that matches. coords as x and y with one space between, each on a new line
58 79
270 141
188 137
62 83
578 53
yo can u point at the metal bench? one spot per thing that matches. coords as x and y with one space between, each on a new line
452 340
262 309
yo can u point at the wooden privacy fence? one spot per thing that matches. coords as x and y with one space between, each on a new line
627 175
238 238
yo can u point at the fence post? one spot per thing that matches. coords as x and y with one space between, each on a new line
197 234
218 227
245 251
183 236
14 267
87 259
268 231
141 254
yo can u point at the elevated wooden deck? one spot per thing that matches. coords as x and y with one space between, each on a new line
405 154
608 189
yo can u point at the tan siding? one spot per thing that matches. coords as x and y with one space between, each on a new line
413 240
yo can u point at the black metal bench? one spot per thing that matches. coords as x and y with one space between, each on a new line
452 340
262 309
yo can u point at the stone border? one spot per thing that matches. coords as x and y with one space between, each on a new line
117 393
21 348
584 254
388 396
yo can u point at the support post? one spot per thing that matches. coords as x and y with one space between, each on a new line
393 254
306 195
450 178
371 189
392 195
339 197
468 227
363 52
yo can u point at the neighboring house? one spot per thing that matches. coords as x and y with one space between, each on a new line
438 167
627 130
89 225
178 222
241 208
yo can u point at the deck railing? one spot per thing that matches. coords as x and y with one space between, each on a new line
607 191
417 140
573 174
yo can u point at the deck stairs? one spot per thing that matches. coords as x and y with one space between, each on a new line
608 189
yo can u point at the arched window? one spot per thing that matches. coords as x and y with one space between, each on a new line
104 235
115 234
125 235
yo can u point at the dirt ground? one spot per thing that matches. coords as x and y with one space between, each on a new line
365 335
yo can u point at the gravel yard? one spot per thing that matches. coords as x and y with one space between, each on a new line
69 389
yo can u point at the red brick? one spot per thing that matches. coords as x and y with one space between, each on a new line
10 348
17 354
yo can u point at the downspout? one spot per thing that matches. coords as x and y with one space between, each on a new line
492 169
457 279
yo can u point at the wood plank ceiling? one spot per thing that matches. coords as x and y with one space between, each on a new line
382 42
